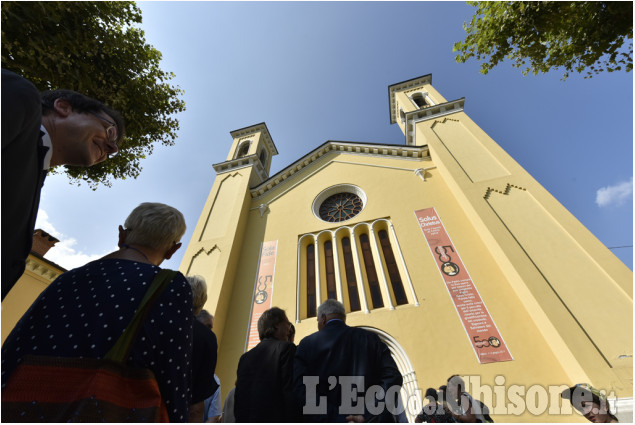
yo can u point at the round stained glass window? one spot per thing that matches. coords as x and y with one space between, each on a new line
340 207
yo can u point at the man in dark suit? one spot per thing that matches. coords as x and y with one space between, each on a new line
264 391
345 374
59 127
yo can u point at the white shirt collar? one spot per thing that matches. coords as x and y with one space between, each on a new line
46 141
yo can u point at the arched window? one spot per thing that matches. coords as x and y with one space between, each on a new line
243 149
371 273
310 281
331 291
360 265
419 100
393 271
263 157
341 207
351 281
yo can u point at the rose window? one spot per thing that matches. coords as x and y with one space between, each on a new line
340 207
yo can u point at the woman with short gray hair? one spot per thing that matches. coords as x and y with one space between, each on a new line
85 310
204 353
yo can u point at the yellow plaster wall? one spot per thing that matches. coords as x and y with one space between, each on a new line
217 241
553 329
431 334
571 318
37 276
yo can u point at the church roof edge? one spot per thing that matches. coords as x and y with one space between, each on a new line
252 129
361 148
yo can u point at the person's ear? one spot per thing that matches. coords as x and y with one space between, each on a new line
62 107
172 250
122 236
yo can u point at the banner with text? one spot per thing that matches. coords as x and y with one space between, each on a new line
486 341
263 288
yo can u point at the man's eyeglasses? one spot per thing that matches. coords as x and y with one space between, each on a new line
111 131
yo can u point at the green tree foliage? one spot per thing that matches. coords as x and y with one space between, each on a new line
98 49
577 36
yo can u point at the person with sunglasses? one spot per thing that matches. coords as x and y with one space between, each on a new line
40 131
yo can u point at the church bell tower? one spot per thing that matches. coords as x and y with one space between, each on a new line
217 239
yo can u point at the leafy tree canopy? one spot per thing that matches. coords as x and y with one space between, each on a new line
96 48
578 36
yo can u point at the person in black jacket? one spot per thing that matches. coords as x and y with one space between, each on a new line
60 127
264 391
204 352
335 368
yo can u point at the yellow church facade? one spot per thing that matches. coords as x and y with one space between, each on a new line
444 246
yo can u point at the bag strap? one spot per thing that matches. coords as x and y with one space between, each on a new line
120 351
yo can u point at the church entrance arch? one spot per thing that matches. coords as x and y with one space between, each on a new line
410 393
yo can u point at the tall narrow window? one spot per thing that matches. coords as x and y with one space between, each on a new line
263 157
310 281
393 270
351 280
371 273
243 149
331 291
419 100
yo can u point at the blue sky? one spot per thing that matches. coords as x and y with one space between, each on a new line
320 71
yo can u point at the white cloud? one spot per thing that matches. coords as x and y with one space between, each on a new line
64 253
614 195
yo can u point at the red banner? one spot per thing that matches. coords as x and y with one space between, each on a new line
481 330
263 289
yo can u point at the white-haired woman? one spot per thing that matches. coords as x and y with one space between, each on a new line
204 353
85 310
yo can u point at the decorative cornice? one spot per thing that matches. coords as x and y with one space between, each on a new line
394 88
253 129
400 151
242 162
428 113
42 268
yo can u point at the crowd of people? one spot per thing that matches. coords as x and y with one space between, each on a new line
337 374
84 311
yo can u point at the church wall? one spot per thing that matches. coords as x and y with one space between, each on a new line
534 265
431 333
37 275
555 265
217 241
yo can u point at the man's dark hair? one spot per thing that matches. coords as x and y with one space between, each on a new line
268 322
82 104
432 393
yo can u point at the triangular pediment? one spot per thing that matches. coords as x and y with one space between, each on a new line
338 147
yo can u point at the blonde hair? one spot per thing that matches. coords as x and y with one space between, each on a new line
154 225
199 292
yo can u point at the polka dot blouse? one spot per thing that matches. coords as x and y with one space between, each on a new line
85 310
